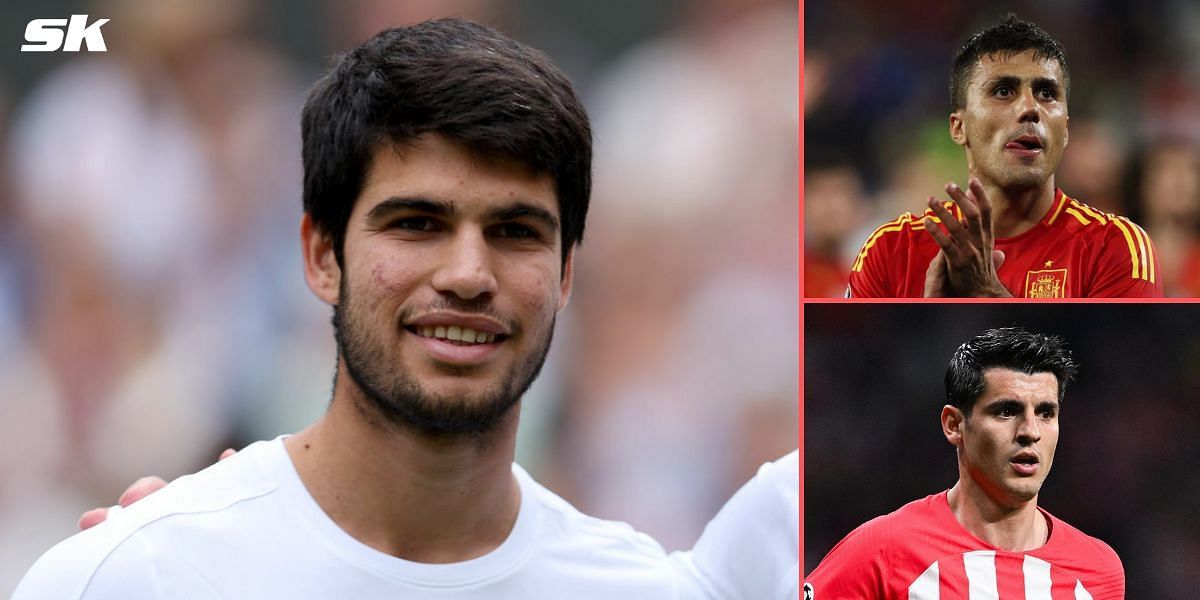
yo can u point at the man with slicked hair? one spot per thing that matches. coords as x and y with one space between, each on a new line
985 537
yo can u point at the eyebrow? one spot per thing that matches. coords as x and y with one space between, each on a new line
516 210
524 210
1015 82
397 204
1011 403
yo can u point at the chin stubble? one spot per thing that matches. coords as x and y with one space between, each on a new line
393 397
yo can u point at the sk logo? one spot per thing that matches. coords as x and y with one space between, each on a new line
50 35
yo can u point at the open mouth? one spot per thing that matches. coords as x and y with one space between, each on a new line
1028 143
1025 464
458 336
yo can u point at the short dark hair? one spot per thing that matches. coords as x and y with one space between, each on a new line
500 100
1010 348
1010 37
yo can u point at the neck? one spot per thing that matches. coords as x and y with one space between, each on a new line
1014 528
1017 210
421 497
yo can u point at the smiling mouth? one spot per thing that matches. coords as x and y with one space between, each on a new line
459 336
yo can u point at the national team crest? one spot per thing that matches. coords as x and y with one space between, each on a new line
1051 283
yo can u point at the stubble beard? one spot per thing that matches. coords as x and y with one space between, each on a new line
1023 179
396 397
1016 178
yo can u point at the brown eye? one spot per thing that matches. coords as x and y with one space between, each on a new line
515 231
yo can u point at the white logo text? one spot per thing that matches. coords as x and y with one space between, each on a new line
46 35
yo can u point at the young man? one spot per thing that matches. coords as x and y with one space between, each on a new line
1011 232
446 183
986 537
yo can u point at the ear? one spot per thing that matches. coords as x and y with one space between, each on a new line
568 280
1067 132
956 129
321 270
953 422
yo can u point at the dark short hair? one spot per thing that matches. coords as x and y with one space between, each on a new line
1010 348
502 101
1010 37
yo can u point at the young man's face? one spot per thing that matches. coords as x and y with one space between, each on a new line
452 279
1008 439
1014 123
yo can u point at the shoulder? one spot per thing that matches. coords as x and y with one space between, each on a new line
1085 547
68 569
895 527
771 497
862 555
751 549
782 473
120 557
893 258
1128 240
564 526
770 500
1125 262
572 550
1090 562
899 232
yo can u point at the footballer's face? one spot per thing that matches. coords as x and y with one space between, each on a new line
1006 443
452 279
1014 124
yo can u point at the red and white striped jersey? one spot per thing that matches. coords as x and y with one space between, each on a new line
1075 251
921 552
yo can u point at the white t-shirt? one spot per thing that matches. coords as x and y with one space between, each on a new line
751 549
246 527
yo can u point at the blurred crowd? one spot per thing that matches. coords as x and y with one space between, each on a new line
1127 467
876 127
152 304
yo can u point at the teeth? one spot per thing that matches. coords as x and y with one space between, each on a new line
456 334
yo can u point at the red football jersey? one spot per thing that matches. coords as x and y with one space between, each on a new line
921 552
1075 251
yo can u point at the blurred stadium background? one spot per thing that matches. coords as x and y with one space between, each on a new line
876 107
1127 469
152 305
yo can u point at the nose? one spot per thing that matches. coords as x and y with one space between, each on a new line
1030 109
1028 429
466 269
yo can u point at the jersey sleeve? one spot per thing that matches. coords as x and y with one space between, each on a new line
871 274
1107 579
854 568
90 566
1111 584
751 549
1127 265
